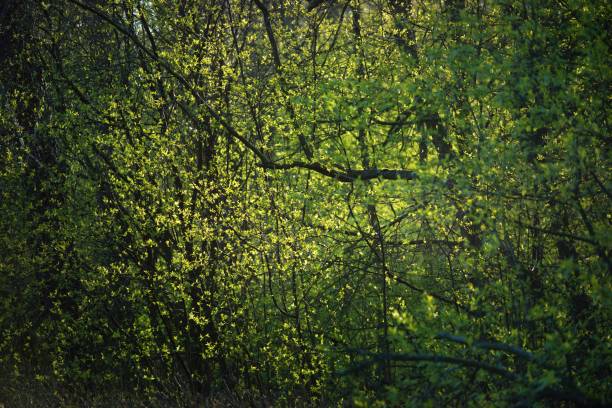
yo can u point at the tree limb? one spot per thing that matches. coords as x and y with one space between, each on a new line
431 358
488 345
313 4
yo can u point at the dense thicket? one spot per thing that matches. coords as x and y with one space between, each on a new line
293 203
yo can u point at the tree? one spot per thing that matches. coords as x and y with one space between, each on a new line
306 203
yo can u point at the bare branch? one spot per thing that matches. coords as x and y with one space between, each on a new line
431 358
313 4
488 345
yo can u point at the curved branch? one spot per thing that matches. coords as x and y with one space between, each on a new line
432 358
347 175
270 33
488 345
313 4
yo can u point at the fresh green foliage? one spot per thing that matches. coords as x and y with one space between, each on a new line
305 203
